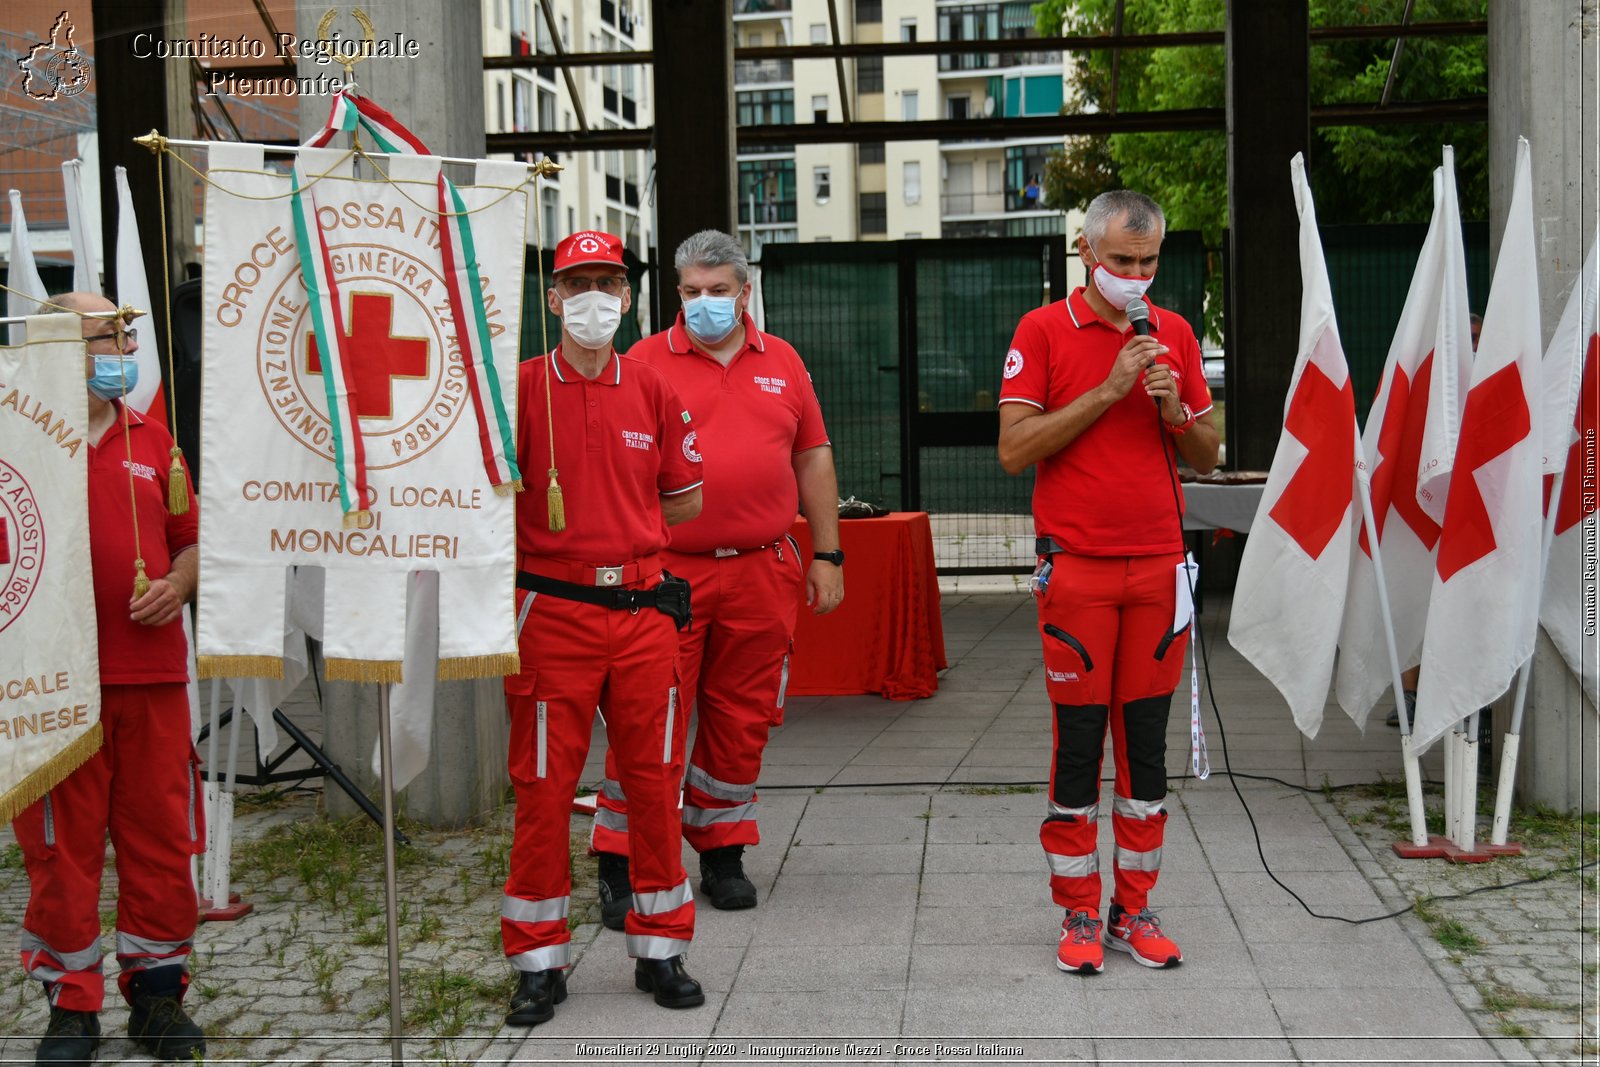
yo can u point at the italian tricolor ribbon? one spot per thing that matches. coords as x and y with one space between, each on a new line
467 309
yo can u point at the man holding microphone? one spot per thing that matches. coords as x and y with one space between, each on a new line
1099 407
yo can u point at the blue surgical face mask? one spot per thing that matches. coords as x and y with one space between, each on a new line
711 318
113 376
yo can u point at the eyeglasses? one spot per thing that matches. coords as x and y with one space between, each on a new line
121 337
606 283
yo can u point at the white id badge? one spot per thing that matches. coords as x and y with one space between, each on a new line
1188 575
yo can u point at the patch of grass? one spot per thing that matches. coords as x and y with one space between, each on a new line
1512 1029
1448 932
444 1003
1500 999
332 858
11 857
323 968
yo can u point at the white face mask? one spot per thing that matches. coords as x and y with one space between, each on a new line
1117 289
592 318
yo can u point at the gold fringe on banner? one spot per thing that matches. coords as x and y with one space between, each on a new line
361 670
177 488
359 519
239 666
508 488
52 774
465 668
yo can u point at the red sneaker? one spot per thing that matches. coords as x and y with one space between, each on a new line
1140 936
1080 943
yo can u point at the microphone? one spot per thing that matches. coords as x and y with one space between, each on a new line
1138 313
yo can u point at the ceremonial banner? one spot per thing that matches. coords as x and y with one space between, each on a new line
1485 604
1571 398
1289 598
342 425
49 653
1409 448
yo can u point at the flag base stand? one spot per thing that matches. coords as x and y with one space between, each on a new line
1443 848
235 908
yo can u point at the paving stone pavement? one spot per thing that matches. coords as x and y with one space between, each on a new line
905 914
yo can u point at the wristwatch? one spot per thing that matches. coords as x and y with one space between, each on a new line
1179 429
836 557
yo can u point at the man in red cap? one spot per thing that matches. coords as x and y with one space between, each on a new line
597 628
767 451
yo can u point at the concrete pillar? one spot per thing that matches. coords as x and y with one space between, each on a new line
1268 44
439 97
1543 61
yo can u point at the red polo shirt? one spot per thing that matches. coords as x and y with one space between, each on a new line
1109 492
750 418
130 652
622 442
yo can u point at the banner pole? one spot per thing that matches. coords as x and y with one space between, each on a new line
389 883
213 793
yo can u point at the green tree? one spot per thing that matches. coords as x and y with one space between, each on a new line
1360 174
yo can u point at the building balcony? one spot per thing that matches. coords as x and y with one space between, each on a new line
768 212
1006 54
755 9
990 203
617 16
763 72
623 192
619 105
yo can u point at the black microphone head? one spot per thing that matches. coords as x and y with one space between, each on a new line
1138 313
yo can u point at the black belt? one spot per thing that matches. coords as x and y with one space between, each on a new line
615 599
1046 546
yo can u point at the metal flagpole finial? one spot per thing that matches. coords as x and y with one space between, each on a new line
153 141
546 168
127 313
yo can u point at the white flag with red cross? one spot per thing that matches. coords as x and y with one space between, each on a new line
1409 445
1572 395
1290 594
1486 570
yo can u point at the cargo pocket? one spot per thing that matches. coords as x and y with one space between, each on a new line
197 809
1052 630
776 718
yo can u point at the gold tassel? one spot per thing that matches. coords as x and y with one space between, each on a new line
53 773
361 670
239 666
556 506
141 581
463 668
360 519
177 487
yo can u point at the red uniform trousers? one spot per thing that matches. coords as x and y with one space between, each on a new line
574 657
143 787
734 666
1109 655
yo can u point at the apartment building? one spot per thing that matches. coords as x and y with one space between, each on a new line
596 190
958 187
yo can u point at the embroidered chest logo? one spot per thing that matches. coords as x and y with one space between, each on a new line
637 439
143 470
770 385
21 544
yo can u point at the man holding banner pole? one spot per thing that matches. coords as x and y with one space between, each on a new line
598 620
141 786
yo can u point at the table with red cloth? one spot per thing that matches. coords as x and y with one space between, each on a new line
887 636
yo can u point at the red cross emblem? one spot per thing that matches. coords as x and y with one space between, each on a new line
588 245
1394 480
1496 419
1322 417
377 356
1574 507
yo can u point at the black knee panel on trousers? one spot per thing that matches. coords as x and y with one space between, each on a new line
1144 728
1080 739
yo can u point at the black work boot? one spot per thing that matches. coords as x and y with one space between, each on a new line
71 1037
616 893
722 879
671 984
156 1019
538 993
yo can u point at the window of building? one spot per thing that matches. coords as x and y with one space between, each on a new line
908 105
958 107
500 106
549 199
819 108
819 33
908 30
547 110
871 152
913 181
869 74
764 107
767 186
868 11
874 213
823 178
522 103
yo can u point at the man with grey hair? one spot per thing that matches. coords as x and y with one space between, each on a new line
760 430
1092 403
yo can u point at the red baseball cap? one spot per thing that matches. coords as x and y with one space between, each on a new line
589 247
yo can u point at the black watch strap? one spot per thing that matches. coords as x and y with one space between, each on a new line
836 557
